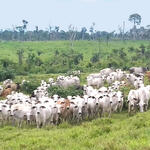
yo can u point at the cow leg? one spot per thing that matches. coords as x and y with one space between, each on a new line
101 113
129 110
109 115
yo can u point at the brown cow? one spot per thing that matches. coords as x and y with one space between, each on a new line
148 75
6 92
66 113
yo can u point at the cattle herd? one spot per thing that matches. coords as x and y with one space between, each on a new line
97 100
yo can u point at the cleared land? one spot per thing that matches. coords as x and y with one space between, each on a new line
117 133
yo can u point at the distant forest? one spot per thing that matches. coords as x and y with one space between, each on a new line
20 33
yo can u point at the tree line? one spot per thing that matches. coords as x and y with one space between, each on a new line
20 33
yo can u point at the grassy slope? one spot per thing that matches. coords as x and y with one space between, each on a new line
9 49
118 133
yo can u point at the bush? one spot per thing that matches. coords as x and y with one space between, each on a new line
6 74
29 87
72 91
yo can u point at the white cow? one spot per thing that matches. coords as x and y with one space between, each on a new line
106 71
21 112
43 114
104 105
1 90
143 99
95 82
133 100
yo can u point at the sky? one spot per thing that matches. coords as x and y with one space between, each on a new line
108 15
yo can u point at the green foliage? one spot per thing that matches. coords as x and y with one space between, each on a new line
29 87
87 56
135 18
6 74
95 58
72 91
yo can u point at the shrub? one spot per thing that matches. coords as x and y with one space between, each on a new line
72 91
95 58
6 74
29 87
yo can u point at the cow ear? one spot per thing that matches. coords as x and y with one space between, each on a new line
33 107
101 97
15 109
3 105
43 107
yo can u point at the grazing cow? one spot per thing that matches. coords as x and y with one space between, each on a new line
133 101
138 82
92 107
143 95
106 71
148 75
131 78
113 101
110 79
116 85
103 91
6 92
43 114
19 112
138 70
104 105
64 109
1 90
95 82
68 81
120 100
7 82
5 112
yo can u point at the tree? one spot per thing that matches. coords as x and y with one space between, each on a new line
83 31
136 19
92 30
22 29
20 56
72 35
24 24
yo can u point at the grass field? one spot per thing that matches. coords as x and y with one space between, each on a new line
118 133
59 57
9 49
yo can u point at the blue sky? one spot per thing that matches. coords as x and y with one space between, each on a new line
107 14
